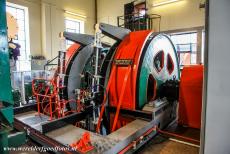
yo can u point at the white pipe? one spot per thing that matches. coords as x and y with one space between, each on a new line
183 142
23 100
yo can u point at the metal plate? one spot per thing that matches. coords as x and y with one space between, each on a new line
32 119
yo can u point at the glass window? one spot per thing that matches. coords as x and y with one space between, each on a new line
20 13
186 46
202 46
73 26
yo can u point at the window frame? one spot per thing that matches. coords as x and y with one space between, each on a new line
27 36
191 52
81 28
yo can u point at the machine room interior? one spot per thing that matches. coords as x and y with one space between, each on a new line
104 76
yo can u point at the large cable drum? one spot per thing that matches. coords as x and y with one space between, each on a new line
158 63
143 61
74 71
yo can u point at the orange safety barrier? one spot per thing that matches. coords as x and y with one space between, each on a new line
190 96
49 94
52 94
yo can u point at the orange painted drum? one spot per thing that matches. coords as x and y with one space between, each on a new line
142 62
71 51
190 96
129 49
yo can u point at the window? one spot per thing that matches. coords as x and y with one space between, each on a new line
202 46
20 13
186 46
73 26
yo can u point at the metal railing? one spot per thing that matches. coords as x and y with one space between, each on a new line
137 21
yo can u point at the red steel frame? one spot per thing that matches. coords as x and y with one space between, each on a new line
50 96
59 104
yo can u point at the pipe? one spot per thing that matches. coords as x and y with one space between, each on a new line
23 101
183 142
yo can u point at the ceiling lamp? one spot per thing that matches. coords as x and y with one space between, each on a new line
75 14
165 2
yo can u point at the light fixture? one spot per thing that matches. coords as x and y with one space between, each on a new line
165 2
75 14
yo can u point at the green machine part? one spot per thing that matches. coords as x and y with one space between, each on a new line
6 98
5 95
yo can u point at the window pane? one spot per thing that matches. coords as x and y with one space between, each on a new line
22 55
11 10
20 14
70 30
21 35
193 38
193 58
21 25
22 44
23 65
186 46
185 58
202 46
72 26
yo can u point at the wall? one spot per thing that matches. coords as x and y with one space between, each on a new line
46 21
109 10
216 123
53 16
179 15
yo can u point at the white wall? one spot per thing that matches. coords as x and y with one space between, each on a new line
217 104
179 15
108 10
53 16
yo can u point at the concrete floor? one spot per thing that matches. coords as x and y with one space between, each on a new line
163 145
